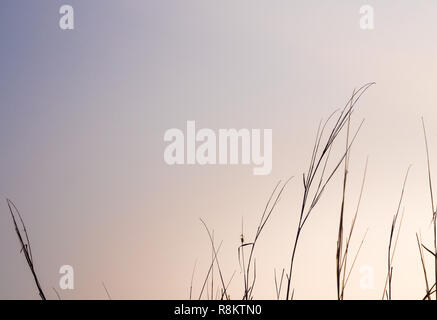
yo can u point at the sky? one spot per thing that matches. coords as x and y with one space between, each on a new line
84 113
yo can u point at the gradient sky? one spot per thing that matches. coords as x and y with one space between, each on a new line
83 115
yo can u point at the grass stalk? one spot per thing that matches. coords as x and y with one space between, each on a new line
25 244
317 169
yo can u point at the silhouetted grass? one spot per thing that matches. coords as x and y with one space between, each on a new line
23 237
315 181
